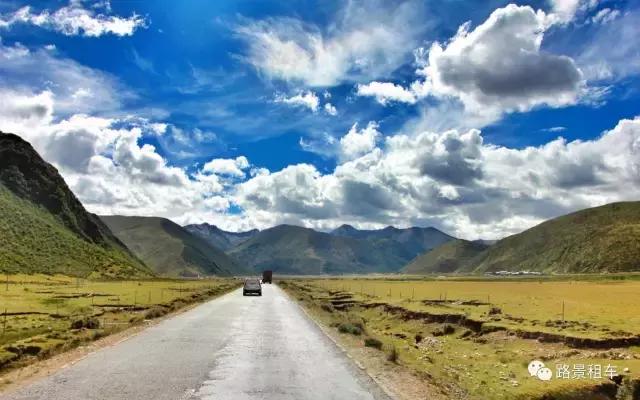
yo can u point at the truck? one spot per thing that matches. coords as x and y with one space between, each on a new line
266 276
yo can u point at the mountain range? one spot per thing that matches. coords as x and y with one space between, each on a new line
219 238
169 249
296 250
45 229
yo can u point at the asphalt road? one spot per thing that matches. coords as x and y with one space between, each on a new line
233 347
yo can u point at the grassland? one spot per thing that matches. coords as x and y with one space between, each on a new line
35 241
475 338
41 315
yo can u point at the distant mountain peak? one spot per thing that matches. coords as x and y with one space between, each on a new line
220 238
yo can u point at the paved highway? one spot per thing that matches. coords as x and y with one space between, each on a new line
230 348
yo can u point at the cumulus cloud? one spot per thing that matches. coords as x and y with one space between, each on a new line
74 20
307 99
227 166
358 142
499 65
385 92
368 39
330 109
452 180
106 162
482 73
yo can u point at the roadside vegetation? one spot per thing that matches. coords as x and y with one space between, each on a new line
43 315
474 338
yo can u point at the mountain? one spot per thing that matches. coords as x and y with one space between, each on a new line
407 243
448 257
170 249
600 239
218 238
289 249
44 227
593 240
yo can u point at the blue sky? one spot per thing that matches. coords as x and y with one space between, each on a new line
252 113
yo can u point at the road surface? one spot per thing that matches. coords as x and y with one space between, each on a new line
230 348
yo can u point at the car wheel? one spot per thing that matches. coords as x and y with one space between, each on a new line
260 293
244 293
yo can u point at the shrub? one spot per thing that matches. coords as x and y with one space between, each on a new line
393 354
373 342
444 330
88 323
327 307
353 329
155 312
495 311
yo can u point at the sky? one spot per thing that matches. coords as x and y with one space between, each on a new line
480 118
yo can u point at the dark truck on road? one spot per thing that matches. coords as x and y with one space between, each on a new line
266 276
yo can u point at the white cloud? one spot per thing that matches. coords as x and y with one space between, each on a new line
605 16
385 92
105 162
366 40
307 99
613 53
449 179
454 181
74 19
555 129
565 10
76 88
359 142
499 66
330 109
482 73
227 166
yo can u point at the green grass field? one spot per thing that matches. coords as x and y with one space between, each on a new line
41 315
421 319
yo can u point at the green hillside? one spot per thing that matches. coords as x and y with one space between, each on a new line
35 241
449 257
600 239
43 226
288 249
169 248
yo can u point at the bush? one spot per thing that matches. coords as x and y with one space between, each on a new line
327 307
495 311
155 312
353 329
373 342
444 330
88 323
393 355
